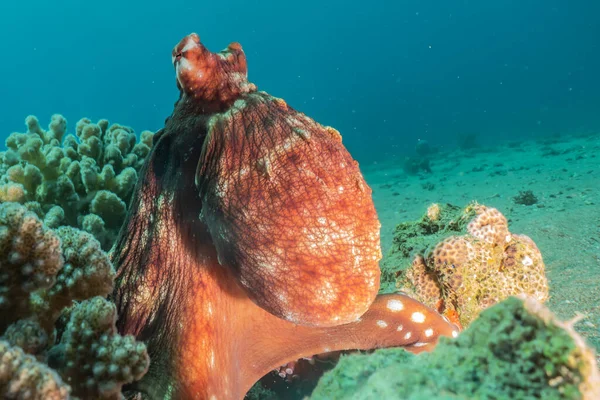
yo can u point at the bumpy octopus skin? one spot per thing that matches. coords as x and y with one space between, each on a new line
252 241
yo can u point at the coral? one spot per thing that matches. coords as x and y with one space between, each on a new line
515 350
23 377
28 334
415 237
282 262
69 180
87 271
43 272
92 357
526 198
30 258
462 275
433 212
489 226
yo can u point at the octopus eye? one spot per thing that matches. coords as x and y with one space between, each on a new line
178 56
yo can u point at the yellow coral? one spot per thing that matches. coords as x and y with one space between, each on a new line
489 225
433 212
477 270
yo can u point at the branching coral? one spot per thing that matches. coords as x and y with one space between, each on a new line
30 258
462 275
23 377
93 358
515 350
83 181
43 272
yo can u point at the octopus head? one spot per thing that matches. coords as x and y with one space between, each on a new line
210 77
186 58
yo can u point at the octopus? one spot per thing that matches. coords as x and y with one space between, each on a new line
252 240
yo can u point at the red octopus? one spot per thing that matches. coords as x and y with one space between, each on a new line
252 240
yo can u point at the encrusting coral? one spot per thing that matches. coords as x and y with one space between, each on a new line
51 275
84 181
415 237
462 275
515 350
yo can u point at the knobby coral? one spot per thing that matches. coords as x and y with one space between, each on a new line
464 274
84 181
47 277
515 350
252 240
23 377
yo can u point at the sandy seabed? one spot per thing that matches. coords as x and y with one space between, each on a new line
562 172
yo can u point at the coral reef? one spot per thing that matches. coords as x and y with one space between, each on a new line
46 277
83 180
515 350
464 274
254 237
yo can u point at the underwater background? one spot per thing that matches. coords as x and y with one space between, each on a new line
384 73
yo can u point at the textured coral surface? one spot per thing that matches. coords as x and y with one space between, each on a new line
46 278
83 180
23 377
462 275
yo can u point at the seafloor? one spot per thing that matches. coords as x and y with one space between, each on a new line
562 172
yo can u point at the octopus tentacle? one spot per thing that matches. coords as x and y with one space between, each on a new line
252 240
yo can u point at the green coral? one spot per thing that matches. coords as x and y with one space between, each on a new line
78 179
515 350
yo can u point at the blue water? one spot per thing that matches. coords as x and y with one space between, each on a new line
385 73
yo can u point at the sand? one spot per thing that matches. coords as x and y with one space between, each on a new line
562 172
